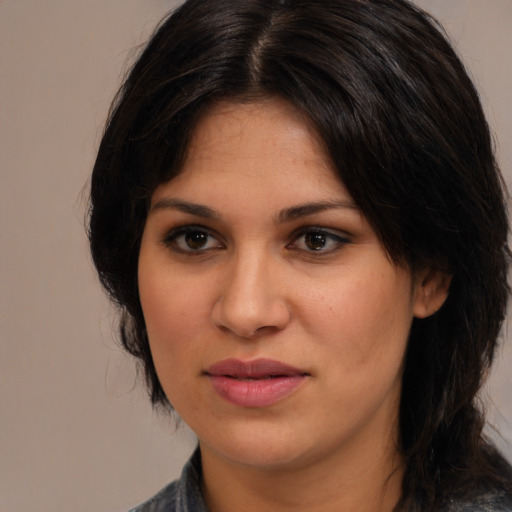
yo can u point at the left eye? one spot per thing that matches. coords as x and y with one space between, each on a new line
317 240
192 240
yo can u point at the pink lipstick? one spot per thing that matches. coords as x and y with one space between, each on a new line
256 383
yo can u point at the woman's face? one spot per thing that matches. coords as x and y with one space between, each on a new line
277 323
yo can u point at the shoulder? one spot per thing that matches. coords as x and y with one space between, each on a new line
487 502
183 495
489 490
164 500
483 497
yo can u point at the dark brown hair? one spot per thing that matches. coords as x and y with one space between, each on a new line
403 126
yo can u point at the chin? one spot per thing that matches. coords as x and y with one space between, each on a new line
261 448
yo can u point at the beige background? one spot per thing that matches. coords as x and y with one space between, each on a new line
76 434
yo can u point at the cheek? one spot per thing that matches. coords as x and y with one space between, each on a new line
172 321
169 300
365 320
170 310
361 337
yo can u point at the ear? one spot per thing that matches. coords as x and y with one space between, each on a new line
431 290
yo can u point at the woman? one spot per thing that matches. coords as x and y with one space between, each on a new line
297 208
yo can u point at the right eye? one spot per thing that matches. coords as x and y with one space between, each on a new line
192 239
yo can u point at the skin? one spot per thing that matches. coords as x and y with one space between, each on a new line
247 282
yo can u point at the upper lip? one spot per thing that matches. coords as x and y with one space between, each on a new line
254 369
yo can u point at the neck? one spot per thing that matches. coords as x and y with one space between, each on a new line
363 481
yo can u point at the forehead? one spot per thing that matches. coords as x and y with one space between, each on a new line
268 139
254 159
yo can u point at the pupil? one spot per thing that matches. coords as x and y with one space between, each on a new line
315 241
196 239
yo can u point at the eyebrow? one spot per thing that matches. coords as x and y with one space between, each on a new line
303 210
286 215
198 210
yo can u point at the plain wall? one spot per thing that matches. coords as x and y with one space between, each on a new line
76 433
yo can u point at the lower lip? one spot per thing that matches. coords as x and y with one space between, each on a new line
257 392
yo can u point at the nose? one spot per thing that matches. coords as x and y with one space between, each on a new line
252 300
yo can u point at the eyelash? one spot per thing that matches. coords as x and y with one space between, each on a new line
337 240
172 240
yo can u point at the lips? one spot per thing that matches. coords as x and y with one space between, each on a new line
256 383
